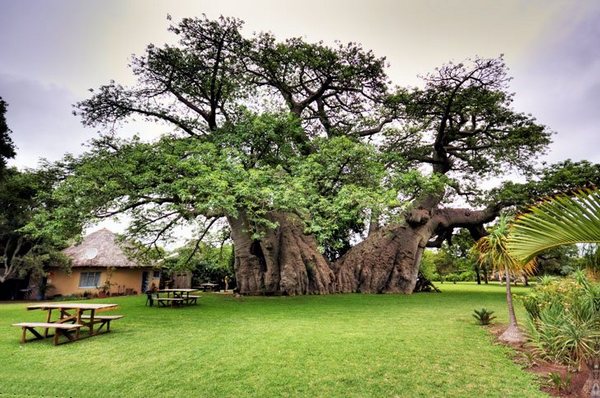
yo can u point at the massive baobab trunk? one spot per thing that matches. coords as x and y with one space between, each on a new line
287 261
283 261
388 260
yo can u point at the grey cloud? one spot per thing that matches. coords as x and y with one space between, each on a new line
41 120
560 85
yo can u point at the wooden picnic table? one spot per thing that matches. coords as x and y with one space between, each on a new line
77 315
176 297
208 286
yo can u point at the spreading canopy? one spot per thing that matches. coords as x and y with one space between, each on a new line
306 137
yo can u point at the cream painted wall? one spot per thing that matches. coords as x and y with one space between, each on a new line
121 279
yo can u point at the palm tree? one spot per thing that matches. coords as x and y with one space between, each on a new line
492 251
561 220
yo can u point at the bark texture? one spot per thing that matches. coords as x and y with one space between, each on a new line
388 260
512 334
284 261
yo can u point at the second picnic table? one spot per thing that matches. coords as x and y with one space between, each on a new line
176 297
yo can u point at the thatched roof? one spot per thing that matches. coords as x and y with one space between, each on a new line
99 249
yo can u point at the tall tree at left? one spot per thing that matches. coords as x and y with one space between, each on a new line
21 194
7 147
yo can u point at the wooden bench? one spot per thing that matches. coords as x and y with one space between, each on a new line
172 301
61 329
103 320
191 299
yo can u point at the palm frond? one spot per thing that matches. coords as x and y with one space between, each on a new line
561 220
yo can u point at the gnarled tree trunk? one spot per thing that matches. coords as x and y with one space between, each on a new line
388 260
284 261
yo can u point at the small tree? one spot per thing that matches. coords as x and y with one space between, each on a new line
492 251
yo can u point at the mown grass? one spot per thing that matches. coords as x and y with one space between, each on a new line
351 345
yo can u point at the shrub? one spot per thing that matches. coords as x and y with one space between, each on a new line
466 276
564 319
483 316
556 381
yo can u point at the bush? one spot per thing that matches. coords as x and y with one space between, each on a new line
452 278
466 276
483 316
564 319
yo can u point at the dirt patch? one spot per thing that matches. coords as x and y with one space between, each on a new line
556 379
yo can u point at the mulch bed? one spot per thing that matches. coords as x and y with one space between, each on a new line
523 356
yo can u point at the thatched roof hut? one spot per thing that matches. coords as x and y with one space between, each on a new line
99 249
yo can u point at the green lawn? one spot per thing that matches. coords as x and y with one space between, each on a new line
424 345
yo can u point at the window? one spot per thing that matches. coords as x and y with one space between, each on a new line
156 275
89 279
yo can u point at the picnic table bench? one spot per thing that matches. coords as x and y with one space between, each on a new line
61 329
103 320
172 301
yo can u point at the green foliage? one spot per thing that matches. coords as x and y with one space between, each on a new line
564 319
7 148
556 381
551 180
590 259
559 260
268 126
427 266
22 194
207 263
483 316
338 184
459 104
466 276
557 221
454 262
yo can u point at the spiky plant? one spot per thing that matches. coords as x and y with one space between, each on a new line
483 316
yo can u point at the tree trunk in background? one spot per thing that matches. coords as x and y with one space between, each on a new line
478 274
386 262
284 261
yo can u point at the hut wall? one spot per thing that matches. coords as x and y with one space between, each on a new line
122 280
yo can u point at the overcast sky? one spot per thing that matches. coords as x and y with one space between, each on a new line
51 52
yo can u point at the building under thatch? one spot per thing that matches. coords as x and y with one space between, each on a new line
100 266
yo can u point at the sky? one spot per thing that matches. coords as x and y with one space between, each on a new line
52 52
